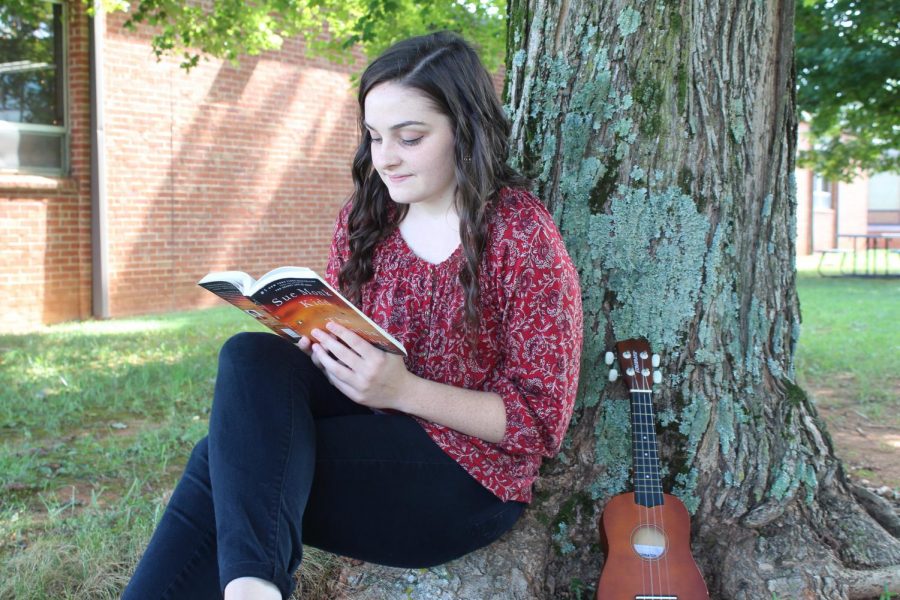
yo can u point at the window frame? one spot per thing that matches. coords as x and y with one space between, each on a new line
819 194
62 132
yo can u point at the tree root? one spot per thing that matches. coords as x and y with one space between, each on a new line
865 585
880 509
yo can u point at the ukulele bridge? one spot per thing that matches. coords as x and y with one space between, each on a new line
655 597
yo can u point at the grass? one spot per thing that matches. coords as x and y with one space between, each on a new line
96 422
850 342
97 419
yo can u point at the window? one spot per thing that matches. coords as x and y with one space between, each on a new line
821 191
884 192
32 87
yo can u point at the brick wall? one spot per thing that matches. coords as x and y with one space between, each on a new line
45 244
223 168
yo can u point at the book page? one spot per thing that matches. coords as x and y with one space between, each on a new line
238 279
280 273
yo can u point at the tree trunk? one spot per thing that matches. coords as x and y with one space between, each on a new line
662 137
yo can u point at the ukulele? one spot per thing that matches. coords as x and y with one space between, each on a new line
646 534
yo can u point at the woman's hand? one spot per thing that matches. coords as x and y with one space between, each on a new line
361 371
305 344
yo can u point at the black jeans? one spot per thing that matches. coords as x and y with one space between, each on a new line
289 460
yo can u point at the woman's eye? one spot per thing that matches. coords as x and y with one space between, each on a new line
376 140
412 142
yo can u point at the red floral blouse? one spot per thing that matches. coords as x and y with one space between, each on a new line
529 341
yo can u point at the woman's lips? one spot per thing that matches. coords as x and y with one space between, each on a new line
398 178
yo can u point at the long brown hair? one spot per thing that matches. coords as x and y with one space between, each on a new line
448 71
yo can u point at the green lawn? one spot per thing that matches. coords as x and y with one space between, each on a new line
96 421
850 342
98 418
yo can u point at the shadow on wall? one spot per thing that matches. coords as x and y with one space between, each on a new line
252 182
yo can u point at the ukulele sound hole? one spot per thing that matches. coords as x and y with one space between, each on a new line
648 542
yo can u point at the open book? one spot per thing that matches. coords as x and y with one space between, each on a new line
292 301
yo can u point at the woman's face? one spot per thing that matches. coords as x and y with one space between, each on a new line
412 146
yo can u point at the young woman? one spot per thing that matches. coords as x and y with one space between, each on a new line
404 462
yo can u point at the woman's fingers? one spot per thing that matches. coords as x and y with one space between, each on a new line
350 337
333 366
305 345
338 349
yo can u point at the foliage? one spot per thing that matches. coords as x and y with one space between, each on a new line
847 55
232 28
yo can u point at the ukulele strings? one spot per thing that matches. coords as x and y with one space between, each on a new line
641 487
663 575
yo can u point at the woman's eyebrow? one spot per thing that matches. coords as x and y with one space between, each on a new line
398 125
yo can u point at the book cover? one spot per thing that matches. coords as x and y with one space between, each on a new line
294 301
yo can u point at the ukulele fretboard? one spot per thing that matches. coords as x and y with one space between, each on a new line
647 482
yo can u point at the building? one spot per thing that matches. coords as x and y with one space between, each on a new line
826 210
124 180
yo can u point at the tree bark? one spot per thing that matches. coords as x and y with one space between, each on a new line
662 137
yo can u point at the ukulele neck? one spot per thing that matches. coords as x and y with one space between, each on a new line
645 450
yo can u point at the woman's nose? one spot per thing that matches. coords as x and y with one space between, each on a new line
385 155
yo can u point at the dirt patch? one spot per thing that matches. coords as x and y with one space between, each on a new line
869 448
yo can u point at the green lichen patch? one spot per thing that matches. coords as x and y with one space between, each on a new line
629 20
562 540
653 245
758 326
736 122
786 481
518 58
666 417
612 449
725 423
685 488
693 424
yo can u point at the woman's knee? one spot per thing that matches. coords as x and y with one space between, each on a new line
199 458
260 350
249 344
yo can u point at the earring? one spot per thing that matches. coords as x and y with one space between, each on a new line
467 159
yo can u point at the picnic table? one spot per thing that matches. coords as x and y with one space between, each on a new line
864 255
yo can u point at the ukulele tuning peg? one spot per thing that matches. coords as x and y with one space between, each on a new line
613 374
655 360
610 358
657 377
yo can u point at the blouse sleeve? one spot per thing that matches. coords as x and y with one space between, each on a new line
538 375
340 247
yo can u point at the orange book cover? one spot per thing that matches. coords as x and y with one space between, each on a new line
292 301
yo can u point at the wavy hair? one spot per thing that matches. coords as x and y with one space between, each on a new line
448 71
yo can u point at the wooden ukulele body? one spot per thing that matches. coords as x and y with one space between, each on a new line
648 552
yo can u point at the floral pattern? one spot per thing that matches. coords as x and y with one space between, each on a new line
529 340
